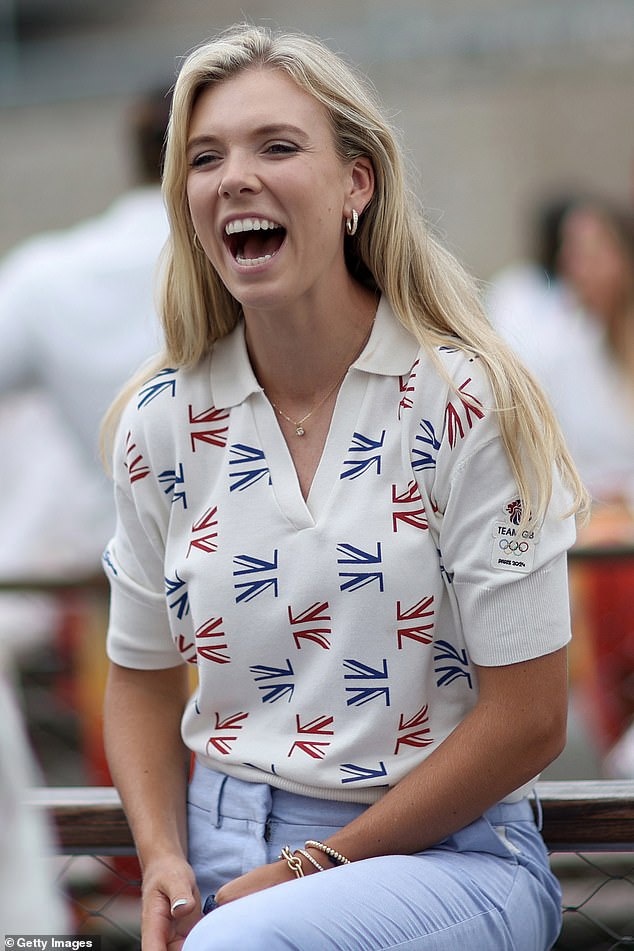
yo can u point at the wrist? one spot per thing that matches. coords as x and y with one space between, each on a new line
300 863
158 855
327 852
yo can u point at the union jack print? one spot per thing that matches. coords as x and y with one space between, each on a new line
170 479
176 590
365 694
226 732
420 618
362 774
134 462
405 387
163 382
205 532
211 630
313 616
250 469
317 727
253 588
456 666
213 433
357 556
370 447
425 458
271 692
464 413
413 512
415 731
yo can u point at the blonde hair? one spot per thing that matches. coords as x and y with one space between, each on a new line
393 252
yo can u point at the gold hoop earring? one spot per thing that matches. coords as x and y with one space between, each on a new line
197 244
352 223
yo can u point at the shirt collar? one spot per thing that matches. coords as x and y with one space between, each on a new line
232 376
390 351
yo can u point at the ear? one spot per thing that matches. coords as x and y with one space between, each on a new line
361 185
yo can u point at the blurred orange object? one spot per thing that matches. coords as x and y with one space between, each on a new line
602 597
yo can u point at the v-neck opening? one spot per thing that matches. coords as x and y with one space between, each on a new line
307 512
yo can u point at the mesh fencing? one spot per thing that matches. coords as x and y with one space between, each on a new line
598 899
103 896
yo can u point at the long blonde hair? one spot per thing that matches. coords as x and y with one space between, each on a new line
394 252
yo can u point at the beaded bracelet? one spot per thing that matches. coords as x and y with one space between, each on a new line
337 857
312 861
294 863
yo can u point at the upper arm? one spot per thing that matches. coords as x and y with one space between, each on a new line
165 691
533 691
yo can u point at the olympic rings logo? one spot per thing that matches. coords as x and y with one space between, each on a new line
506 545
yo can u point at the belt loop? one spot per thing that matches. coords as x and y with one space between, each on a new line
216 796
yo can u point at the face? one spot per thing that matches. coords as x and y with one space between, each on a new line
267 193
595 263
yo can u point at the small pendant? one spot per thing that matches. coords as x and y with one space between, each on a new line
299 430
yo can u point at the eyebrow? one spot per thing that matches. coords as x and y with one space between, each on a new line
272 129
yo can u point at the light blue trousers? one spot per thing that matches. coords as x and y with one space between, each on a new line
486 888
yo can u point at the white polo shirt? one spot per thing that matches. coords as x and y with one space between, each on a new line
334 637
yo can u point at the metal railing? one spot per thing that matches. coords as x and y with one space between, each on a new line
587 825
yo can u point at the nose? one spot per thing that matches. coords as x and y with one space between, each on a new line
238 177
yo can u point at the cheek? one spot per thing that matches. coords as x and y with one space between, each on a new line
198 200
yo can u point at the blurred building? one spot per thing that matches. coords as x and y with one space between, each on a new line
500 101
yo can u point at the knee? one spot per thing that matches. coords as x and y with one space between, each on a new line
236 925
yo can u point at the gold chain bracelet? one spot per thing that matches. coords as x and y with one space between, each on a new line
293 861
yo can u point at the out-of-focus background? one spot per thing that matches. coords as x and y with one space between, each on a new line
500 101
509 110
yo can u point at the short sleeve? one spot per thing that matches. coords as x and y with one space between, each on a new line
508 585
139 634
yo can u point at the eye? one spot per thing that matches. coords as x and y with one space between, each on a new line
203 159
281 148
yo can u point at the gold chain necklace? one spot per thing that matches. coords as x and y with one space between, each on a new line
298 423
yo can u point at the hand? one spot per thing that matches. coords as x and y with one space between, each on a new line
171 904
257 880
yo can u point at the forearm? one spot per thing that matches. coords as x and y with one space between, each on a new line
505 741
147 758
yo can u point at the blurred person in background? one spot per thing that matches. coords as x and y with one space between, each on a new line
525 298
577 335
77 317
597 260
594 396
570 316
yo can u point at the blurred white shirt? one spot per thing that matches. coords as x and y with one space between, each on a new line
77 317
567 351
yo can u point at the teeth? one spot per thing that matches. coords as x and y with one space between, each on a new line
250 224
250 262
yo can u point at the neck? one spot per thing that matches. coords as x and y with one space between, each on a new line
298 356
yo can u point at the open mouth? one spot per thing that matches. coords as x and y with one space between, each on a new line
253 241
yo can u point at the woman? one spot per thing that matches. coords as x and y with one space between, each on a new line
341 498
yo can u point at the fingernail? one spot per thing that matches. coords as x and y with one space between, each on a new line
178 903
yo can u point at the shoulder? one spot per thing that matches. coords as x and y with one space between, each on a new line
160 406
448 372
